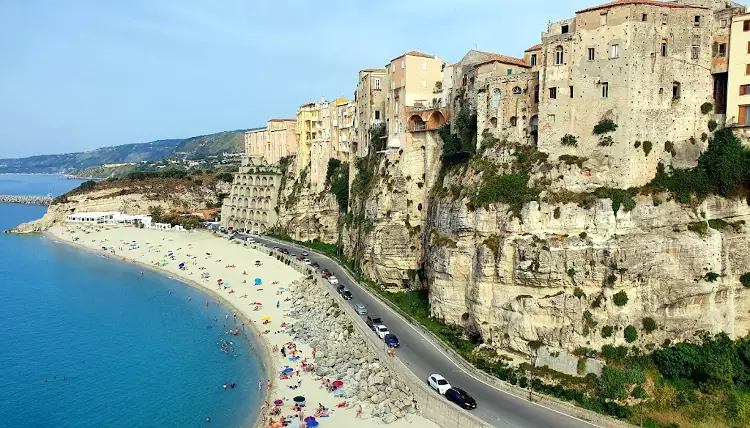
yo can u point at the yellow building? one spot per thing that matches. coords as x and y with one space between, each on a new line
738 87
307 130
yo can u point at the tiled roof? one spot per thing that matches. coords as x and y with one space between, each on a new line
414 53
645 2
534 48
373 70
283 120
505 60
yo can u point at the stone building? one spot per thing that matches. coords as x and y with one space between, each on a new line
411 82
370 107
273 142
738 65
251 204
642 64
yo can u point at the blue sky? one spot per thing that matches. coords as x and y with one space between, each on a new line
80 74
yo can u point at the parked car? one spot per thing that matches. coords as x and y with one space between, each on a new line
284 251
340 288
381 330
333 280
307 261
373 320
304 253
275 248
438 383
460 397
316 265
347 295
300 257
390 339
325 273
361 309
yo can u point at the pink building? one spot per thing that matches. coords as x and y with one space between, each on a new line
274 141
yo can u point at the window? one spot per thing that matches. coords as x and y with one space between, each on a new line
513 121
696 52
592 53
424 83
603 18
723 23
744 89
744 118
745 25
747 69
553 93
748 47
424 65
565 29
676 90
533 60
376 83
509 71
722 49
644 17
663 48
559 56
495 98
551 118
402 63
377 114
697 21
536 94
663 19
402 82
605 90
571 92
615 51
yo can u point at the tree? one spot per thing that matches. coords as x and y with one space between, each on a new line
631 334
649 324
613 384
620 299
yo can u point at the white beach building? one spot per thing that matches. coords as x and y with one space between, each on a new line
119 219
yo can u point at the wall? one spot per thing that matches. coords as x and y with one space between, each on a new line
739 57
274 142
253 198
516 100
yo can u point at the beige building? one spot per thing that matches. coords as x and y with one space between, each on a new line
251 204
344 129
412 83
274 141
645 65
370 107
738 99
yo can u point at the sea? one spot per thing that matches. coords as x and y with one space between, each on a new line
89 342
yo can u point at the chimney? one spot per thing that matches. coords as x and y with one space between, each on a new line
322 99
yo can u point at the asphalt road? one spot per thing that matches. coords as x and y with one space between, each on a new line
494 406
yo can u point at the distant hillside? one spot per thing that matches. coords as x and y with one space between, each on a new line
194 147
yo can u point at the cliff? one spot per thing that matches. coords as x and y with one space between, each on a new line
129 197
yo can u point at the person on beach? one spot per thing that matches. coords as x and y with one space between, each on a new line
359 411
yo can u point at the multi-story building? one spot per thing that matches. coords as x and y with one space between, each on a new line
252 200
274 141
644 65
738 65
370 107
412 83
344 131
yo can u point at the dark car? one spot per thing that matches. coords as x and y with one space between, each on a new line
347 295
373 320
340 288
284 251
460 397
390 339
316 265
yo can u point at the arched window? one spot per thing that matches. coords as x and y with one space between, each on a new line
513 121
675 89
495 98
559 56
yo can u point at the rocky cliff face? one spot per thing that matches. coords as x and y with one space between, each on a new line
129 198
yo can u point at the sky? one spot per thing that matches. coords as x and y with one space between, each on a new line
80 74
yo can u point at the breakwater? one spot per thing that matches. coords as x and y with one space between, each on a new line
28 200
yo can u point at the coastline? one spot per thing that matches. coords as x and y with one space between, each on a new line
253 335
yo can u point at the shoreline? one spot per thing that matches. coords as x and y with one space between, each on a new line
254 336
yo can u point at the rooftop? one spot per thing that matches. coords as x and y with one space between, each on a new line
283 120
505 60
615 3
414 53
373 70
536 47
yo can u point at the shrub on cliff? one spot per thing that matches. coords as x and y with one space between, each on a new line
620 299
510 189
745 279
619 197
458 146
630 334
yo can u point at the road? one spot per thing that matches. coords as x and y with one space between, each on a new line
494 406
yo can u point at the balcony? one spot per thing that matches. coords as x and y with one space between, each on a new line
426 119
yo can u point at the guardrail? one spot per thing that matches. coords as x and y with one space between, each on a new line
468 368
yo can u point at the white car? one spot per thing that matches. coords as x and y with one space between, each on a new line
438 383
333 280
381 331
307 261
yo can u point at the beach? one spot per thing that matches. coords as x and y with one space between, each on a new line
229 271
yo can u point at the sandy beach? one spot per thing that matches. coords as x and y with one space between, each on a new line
207 259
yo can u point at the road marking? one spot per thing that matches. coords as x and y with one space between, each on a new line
435 346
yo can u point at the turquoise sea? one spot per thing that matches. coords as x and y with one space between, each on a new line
89 342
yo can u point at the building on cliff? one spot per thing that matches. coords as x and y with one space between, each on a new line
252 202
412 82
273 142
736 58
370 108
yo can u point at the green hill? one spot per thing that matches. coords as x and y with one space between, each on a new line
192 148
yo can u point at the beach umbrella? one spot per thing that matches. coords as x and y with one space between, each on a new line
299 399
226 284
312 424
266 318
219 280
287 370
257 281
309 419
182 265
278 402
337 383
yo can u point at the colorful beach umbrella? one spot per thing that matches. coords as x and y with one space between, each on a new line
312 424
309 419
225 284
266 318
278 402
257 281
287 370
337 383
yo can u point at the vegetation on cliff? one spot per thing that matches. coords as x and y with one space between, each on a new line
337 182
